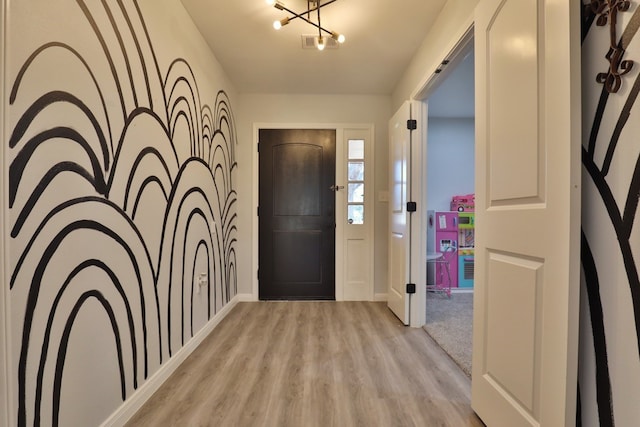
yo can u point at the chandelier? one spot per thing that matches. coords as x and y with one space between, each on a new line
308 17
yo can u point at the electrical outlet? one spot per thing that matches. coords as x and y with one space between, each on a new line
202 281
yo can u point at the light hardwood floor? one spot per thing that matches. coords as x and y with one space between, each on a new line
313 364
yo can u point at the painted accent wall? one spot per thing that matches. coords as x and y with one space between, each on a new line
120 161
609 369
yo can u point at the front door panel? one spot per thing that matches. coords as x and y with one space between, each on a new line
297 214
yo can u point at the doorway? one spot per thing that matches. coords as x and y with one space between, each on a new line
296 214
450 166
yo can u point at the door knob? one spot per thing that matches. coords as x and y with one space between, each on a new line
336 187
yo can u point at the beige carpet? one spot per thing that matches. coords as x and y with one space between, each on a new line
450 324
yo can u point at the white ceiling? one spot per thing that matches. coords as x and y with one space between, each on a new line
381 38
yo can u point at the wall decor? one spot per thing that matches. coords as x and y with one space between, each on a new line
122 212
606 11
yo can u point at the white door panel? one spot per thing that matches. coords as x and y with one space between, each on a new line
357 236
527 212
399 139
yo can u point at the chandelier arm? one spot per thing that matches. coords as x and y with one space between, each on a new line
296 15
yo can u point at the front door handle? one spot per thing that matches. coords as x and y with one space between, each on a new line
336 187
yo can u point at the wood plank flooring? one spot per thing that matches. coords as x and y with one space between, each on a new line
313 364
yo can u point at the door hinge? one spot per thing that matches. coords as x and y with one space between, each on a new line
258 147
412 124
257 210
412 207
411 288
258 274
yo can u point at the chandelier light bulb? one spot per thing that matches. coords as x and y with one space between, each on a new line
320 43
281 23
338 37
270 2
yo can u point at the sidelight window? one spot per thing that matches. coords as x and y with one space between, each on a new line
355 182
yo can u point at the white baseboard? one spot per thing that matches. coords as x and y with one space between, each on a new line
142 394
246 298
380 297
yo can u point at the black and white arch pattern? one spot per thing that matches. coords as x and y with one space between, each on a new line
610 319
121 195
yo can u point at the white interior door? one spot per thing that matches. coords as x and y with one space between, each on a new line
399 240
527 212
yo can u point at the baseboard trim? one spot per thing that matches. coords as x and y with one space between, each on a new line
246 298
380 297
140 396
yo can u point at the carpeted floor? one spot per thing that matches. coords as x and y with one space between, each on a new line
450 324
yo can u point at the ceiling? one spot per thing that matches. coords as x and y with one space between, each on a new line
381 38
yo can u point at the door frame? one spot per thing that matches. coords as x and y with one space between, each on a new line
340 208
452 52
6 412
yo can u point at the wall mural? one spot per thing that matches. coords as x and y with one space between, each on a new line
121 195
611 190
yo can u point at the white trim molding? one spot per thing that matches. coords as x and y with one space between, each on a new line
6 412
129 408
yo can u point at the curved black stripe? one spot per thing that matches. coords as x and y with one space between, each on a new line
622 121
631 205
107 55
175 63
46 100
62 352
603 382
36 53
125 56
625 247
588 17
134 114
231 200
191 120
199 212
219 194
143 64
195 129
193 284
191 191
47 335
155 58
19 164
146 182
64 206
597 121
134 168
34 292
44 183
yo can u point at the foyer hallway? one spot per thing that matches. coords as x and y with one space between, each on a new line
313 364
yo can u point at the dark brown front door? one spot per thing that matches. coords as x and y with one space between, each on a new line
297 214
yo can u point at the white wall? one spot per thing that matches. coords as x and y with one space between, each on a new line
450 160
103 251
454 20
309 109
